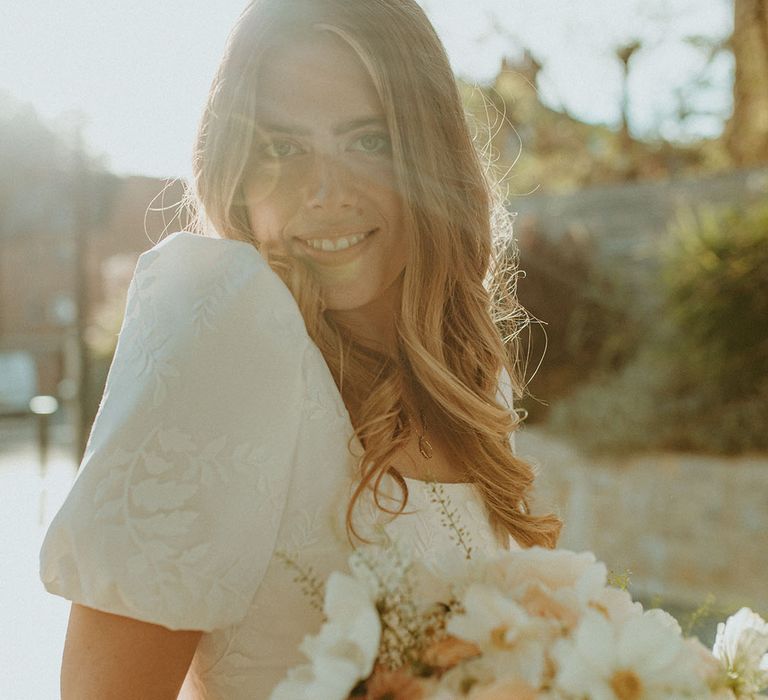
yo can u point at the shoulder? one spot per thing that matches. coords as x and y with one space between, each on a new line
191 274
188 260
195 247
505 392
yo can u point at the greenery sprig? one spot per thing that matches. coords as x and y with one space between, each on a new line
306 577
450 517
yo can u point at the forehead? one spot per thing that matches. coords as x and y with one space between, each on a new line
315 79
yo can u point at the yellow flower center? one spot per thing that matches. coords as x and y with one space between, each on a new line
499 637
626 685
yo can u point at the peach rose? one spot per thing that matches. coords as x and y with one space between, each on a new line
541 603
449 651
553 569
506 690
397 684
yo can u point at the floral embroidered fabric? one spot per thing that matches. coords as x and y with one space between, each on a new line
220 447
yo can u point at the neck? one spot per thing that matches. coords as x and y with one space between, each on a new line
374 323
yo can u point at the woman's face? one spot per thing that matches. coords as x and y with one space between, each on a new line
322 184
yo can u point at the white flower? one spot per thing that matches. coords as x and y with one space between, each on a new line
483 679
616 604
329 679
741 645
344 651
509 638
554 569
711 669
353 629
554 584
664 619
642 659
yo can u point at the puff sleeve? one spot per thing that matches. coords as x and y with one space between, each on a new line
175 511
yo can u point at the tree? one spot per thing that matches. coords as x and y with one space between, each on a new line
746 134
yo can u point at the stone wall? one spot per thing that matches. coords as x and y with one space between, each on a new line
625 218
685 525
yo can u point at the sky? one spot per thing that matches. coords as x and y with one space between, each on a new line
140 71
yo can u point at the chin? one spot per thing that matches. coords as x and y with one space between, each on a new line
374 298
347 302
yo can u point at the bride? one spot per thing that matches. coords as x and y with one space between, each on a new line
326 359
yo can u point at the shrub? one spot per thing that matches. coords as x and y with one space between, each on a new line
583 323
651 405
699 380
715 272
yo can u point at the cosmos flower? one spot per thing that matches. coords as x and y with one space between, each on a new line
741 644
643 658
344 651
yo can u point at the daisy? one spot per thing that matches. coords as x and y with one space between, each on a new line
642 659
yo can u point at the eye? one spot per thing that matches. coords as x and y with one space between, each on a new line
374 142
278 149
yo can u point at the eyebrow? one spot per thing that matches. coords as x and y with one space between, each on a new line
338 130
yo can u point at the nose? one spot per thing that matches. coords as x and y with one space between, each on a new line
329 184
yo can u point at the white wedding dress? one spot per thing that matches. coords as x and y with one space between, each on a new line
220 446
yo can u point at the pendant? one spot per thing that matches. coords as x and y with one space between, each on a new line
425 447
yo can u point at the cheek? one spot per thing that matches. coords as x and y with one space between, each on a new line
378 189
391 206
270 207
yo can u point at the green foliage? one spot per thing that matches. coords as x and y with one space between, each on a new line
700 621
586 325
715 272
695 618
653 404
699 378
619 580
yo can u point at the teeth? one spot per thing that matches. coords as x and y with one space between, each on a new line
337 243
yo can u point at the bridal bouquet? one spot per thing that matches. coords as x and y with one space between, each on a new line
520 625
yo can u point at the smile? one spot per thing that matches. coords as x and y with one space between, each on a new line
334 244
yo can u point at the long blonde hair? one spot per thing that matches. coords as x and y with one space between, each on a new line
459 320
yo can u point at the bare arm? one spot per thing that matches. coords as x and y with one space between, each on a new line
110 656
